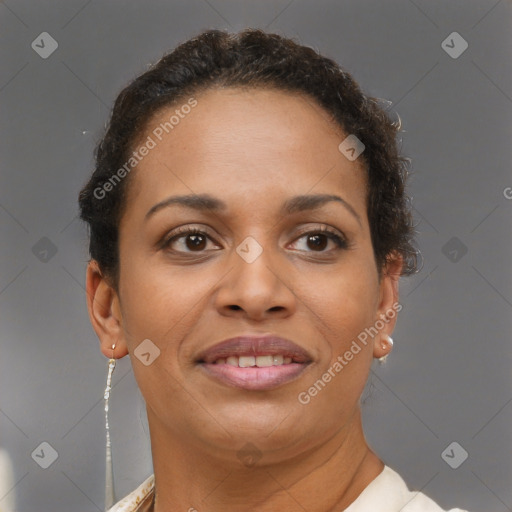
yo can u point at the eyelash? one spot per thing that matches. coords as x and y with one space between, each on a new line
183 232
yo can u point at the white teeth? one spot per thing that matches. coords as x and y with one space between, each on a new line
246 361
259 361
277 360
263 361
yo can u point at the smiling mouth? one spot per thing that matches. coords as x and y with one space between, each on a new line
255 372
263 361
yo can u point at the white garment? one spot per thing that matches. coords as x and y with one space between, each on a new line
386 493
389 493
7 501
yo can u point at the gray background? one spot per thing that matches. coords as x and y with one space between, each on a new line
448 378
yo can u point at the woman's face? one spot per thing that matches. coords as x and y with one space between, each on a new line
254 268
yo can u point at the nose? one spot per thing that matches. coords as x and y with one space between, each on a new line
256 289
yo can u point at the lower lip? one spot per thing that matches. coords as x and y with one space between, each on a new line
253 377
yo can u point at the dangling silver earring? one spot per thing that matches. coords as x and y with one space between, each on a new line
389 342
110 498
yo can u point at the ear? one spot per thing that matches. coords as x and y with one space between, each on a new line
104 312
389 306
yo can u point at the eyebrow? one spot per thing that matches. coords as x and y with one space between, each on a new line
202 202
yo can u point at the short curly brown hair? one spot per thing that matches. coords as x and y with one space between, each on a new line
252 58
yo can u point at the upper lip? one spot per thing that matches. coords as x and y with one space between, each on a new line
246 345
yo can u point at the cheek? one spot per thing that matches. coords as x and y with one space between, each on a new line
347 297
346 357
162 303
346 301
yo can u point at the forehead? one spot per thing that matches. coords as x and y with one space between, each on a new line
246 111
248 141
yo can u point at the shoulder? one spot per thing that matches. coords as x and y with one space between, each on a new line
135 499
389 493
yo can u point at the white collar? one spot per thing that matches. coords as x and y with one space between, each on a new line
388 492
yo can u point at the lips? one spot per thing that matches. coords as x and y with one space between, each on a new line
254 362
255 346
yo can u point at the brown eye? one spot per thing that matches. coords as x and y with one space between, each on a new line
187 240
193 241
318 241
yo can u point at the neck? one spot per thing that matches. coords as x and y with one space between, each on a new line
328 476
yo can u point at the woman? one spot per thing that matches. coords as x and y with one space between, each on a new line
248 228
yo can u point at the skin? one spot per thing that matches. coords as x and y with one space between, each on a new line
253 149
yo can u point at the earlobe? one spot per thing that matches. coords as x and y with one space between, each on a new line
389 306
104 312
